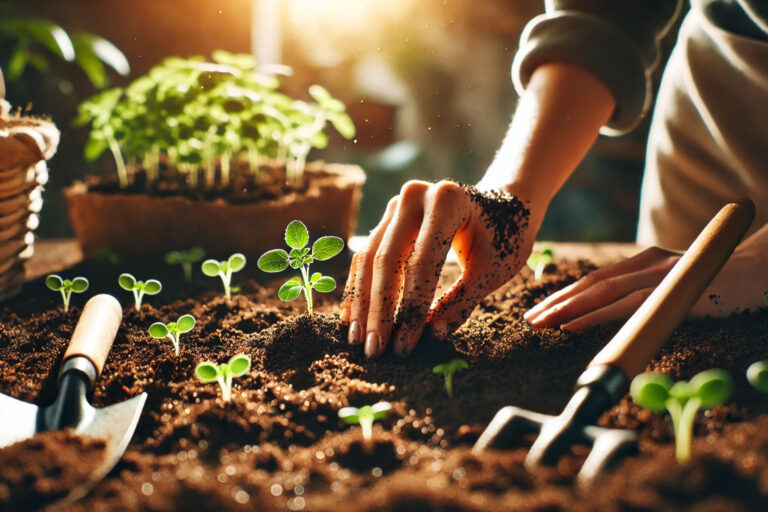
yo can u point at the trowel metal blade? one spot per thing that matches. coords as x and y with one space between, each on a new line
18 420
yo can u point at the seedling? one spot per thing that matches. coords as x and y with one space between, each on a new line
365 416
538 261
185 258
657 392
757 375
224 373
448 369
66 287
301 257
224 270
172 330
139 288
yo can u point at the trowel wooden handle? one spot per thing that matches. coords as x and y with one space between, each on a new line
638 341
95 330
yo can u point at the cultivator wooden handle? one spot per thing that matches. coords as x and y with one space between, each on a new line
95 331
638 341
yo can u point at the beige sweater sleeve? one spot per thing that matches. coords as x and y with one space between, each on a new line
617 40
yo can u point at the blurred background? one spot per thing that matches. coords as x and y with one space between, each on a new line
427 83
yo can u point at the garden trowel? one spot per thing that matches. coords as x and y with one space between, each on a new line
81 366
607 376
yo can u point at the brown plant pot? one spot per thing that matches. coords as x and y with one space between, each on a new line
141 225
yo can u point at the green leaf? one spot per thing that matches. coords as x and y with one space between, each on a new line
350 415
294 263
239 365
152 287
275 260
50 35
91 65
296 234
381 410
325 284
185 323
315 277
319 93
173 257
194 254
296 253
713 387
757 375
94 147
327 247
207 372
54 282
126 281
104 50
344 125
290 290
158 330
651 391
210 268
79 284
236 262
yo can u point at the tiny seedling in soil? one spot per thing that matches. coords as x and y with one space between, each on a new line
224 373
301 257
172 330
66 287
224 270
365 416
656 392
538 261
447 370
139 288
186 259
757 375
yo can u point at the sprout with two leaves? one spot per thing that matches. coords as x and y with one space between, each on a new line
447 370
365 416
301 257
185 258
139 288
66 287
656 392
757 375
237 366
172 330
224 270
538 261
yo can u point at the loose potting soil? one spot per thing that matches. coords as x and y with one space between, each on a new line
279 444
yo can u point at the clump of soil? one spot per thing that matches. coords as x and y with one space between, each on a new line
279 444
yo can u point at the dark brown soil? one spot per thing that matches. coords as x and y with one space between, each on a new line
280 446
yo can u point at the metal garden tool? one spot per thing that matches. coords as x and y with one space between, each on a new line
81 366
607 376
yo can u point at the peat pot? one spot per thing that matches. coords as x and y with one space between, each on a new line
138 225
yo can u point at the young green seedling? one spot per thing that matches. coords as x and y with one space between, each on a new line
301 257
224 373
447 370
757 375
538 261
139 288
224 270
365 416
66 287
172 330
656 392
186 259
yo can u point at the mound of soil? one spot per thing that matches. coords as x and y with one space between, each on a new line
279 444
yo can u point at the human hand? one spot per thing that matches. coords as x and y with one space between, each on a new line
392 281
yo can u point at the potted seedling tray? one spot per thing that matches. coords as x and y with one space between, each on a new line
279 443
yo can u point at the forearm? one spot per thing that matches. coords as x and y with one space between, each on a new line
556 122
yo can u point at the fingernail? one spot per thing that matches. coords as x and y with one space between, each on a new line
355 333
372 345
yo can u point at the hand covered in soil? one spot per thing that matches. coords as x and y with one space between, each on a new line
614 292
392 282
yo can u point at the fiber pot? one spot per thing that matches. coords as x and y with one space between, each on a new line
136 225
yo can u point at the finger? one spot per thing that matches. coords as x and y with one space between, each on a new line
644 259
389 265
600 294
359 293
344 312
445 214
619 310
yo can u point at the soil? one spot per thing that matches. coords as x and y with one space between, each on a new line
279 444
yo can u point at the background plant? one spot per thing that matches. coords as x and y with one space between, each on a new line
365 416
224 270
186 258
139 288
66 287
656 392
757 375
447 370
173 330
301 257
538 261
237 366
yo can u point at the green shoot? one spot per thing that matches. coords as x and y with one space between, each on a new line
538 261
301 257
224 373
447 370
224 270
757 375
186 259
365 416
66 287
139 288
657 392
172 330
